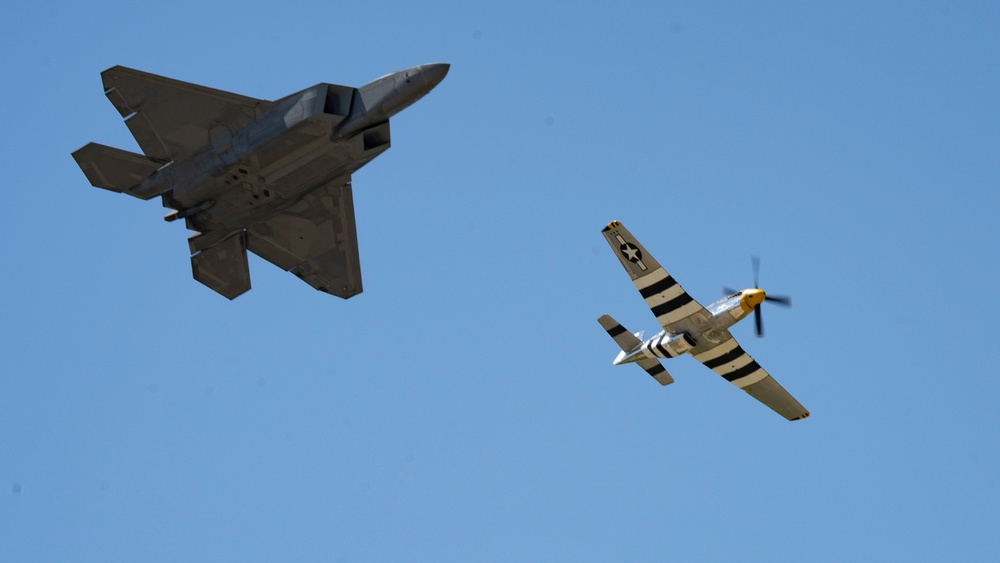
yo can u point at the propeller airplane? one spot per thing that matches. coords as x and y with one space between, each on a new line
690 328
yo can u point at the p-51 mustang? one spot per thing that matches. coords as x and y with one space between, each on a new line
689 328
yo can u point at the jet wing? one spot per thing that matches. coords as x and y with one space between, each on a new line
664 296
171 119
315 239
737 367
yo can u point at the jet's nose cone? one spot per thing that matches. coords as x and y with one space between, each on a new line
434 73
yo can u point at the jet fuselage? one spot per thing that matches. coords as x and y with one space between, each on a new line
309 138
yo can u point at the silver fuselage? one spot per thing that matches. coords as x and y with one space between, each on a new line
704 330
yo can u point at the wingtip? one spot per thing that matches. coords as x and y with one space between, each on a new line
802 416
611 225
114 70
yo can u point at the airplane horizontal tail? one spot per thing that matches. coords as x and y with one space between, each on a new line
223 266
629 342
114 169
656 370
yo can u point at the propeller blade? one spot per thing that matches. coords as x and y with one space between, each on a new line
759 321
728 290
756 270
780 299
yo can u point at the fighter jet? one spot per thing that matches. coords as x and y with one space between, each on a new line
272 177
689 328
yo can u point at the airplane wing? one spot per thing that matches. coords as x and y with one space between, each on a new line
737 367
315 239
664 296
169 118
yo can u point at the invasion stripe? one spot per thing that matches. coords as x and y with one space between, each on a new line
615 330
730 356
716 351
656 370
672 305
753 379
657 287
662 348
742 372
691 308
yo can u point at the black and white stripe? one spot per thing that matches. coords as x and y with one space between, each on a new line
616 330
625 339
659 346
656 370
629 342
665 297
733 364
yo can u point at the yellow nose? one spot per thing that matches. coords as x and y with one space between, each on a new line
751 298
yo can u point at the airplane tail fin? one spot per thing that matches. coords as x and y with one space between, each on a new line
114 169
629 342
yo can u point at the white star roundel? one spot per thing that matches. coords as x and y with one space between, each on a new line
631 252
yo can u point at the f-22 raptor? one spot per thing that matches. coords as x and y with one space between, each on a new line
272 177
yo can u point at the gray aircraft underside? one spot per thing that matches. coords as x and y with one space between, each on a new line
247 174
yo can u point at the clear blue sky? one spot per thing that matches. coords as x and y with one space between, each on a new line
464 407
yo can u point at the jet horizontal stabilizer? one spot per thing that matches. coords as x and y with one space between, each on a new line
114 169
223 267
